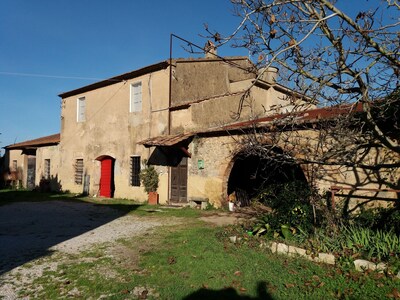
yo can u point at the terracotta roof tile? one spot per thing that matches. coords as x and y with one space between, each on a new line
40 142
307 116
166 140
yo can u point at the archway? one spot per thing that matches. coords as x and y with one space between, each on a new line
251 173
107 186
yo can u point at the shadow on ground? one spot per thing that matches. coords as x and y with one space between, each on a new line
229 293
30 226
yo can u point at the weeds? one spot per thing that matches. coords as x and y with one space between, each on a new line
372 234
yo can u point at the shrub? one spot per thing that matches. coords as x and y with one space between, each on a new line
386 219
149 178
291 208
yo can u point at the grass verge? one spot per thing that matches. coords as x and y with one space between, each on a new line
196 261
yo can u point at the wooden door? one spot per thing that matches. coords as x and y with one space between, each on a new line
107 178
179 181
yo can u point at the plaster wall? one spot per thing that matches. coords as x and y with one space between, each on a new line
53 154
214 93
110 129
22 165
204 78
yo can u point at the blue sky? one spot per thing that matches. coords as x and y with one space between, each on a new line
85 38
90 39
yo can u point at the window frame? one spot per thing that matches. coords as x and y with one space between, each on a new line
134 170
81 109
78 171
135 106
47 168
14 165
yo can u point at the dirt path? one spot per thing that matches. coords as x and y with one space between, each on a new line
33 232
39 236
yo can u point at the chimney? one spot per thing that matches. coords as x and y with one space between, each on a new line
210 51
269 74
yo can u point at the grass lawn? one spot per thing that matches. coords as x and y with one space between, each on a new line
195 260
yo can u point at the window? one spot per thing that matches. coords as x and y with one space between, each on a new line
81 109
47 168
136 97
79 171
135 171
14 165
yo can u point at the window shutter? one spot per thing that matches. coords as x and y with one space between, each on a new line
81 109
136 97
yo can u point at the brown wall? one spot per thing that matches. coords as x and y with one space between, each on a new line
213 92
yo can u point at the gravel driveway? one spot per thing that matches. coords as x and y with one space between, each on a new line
31 230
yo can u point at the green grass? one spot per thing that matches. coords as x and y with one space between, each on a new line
198 262
192 261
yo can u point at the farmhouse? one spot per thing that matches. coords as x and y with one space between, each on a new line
188 118
21 158
154 114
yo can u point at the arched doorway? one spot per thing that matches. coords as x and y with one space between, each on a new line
250 174
107 187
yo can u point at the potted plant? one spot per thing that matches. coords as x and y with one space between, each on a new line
149 178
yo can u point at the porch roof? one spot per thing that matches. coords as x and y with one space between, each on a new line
166 140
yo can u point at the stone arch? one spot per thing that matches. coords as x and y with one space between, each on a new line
246 175
101 157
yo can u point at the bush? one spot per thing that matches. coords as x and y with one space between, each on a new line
373 234
385 219
149 178
291 208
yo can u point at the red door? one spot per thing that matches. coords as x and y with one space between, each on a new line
106 179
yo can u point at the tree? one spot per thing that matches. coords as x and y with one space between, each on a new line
334 56
326 53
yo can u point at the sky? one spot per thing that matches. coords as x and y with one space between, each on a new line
52 46
46 45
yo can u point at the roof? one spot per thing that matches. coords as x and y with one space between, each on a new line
139 72
39 142
119 78
166 140
207 59
308 116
